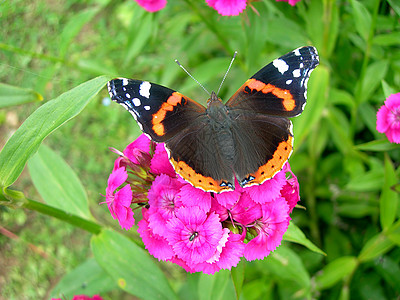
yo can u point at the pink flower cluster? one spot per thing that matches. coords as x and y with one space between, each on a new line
223 7
388 118
82 297
200 231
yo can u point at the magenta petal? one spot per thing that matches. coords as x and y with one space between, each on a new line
155 244
232 252
228 199
382 118
191 196
229 7
117 178
142 143
152 5
160 163
256 248
269 190
393 101
124 196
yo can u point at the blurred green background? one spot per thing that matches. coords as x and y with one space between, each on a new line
348 172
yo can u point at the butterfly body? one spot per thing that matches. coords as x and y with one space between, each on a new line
248 139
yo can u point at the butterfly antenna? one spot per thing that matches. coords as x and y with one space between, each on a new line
190 75
226 74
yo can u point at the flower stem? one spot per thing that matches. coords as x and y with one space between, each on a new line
45 209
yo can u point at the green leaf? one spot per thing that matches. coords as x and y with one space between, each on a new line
286 264
389 269
395 5
57 183
140 31
316 103
387 39
237 274
47 118
376 246
362 19
393 233
295 235
13 95
87 279
366 182
335 271
218 286
73 27
130 266
387 89
373 76
382 145
389 198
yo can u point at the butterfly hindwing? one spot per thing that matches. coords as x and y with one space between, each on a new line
160 112
280 88
263 145
198 158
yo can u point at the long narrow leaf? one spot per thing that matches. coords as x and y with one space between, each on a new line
130 266
26 140
13 95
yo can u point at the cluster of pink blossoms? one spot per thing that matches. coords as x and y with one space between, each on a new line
223 7
388 118
200 231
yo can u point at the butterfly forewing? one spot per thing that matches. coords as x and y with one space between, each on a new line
280 88
160 112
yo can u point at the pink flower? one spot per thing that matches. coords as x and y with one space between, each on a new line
162 200
388 118
152 5
194 235
82 297
200 231
291 2
119 203
269 228
227 7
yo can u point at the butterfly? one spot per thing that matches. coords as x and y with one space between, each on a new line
248 139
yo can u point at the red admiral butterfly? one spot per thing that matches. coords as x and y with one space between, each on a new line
249 138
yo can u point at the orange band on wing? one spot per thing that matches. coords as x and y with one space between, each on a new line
273 166
159 116
207 184
288 102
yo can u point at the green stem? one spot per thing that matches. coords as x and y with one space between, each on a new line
82 223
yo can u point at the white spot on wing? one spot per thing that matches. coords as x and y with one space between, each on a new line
289 81
144 89
127 95
136 102
296 73
146 107
297 52
281 65
124 81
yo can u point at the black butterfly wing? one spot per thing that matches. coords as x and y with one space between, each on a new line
280 88
197 156
160 112
262 132
263 144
